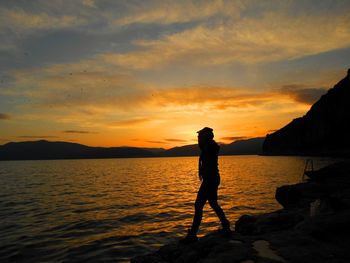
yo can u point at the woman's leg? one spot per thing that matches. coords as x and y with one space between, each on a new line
213 202
201 199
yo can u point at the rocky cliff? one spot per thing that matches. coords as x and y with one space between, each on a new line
324 130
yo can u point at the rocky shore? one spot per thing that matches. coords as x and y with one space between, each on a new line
313 226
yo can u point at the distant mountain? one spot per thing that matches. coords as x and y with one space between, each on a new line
156 151
324 130
187 150
241 147
44 150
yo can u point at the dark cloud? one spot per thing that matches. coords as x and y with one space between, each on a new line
63 46
94 32
79 132
36 137
130 122
6 78
175 140
302 94
4 116
234 138
156 142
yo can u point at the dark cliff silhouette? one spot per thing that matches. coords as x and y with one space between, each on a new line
324 130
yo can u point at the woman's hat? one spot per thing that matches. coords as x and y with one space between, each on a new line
206 131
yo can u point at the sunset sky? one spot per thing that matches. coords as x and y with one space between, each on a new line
152 73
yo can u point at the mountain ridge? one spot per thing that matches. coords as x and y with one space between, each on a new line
48 150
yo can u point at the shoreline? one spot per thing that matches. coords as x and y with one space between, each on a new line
312 226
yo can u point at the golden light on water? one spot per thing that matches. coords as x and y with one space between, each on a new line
118 208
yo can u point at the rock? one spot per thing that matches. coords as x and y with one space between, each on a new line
264 251
287 196
335 180
246 225
275 221
211 248
298 195
326 226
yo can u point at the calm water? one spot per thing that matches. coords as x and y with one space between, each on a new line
114 209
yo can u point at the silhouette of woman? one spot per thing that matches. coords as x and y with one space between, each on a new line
209 175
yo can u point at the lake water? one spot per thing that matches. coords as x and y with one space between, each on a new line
113 209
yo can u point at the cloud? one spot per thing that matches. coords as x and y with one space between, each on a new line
129 122
89 3
175 140
4 116
302 94
37 137
195 32
218 98
158 142
79 132
94 88
19 20
169 12
234 138
16 24
97 95
271 36
75 85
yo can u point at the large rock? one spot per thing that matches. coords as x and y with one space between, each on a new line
211 248
329 184
328 195
271 222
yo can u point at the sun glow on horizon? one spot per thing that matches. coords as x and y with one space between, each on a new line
151 75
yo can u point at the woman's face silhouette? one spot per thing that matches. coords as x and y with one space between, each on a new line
202 139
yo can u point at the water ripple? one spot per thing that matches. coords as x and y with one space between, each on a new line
113 209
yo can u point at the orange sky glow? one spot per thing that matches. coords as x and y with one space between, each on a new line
151 75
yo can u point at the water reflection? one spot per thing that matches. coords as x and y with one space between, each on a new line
112 209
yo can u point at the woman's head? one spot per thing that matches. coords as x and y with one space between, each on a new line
205 135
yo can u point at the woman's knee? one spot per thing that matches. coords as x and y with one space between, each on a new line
213 203
199 204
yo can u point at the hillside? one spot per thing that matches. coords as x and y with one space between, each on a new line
242 147
324 130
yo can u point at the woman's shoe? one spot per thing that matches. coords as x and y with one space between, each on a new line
190 238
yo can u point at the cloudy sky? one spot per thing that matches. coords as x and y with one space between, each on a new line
152 73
